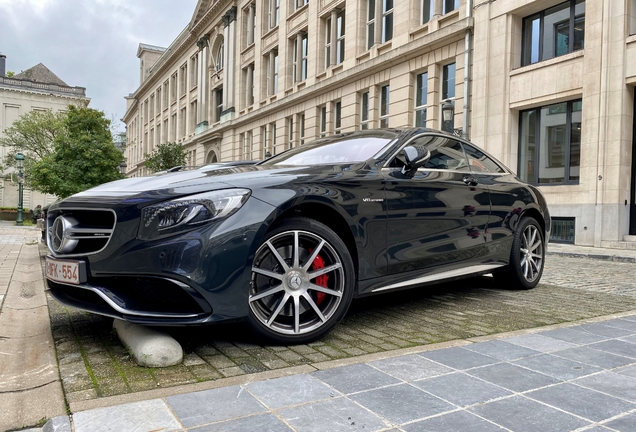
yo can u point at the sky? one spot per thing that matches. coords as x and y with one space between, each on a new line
90 43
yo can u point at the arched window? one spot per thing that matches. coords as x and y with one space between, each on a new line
219 57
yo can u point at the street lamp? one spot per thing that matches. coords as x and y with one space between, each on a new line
122 168
19 159
448 115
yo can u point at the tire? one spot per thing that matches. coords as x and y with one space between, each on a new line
302 282
527 257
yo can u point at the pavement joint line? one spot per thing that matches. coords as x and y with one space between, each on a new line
162 393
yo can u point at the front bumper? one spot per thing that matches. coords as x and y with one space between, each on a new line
195 277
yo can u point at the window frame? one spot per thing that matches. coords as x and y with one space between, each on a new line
384 117
540 146
541 16
419 108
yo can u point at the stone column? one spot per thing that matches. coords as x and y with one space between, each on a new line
334 37
250 24
378 22
271 70
202 89
249 86
229 50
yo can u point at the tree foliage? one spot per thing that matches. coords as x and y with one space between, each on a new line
166 156
83 155
10 74
33 135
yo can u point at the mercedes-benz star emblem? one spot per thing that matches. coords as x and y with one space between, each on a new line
295 282
60 240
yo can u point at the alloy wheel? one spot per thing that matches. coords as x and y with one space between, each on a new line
297 282
531 253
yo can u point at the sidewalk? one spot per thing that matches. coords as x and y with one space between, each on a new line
606 254
581 377
575 376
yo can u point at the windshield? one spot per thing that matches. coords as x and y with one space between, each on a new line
345 149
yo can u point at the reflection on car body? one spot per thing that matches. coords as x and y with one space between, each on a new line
287 243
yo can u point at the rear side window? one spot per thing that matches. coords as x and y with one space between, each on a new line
479 162
446 154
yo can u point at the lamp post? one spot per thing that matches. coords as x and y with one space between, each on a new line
448 114
19 159
122 168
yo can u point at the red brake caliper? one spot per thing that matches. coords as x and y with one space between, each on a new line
322 280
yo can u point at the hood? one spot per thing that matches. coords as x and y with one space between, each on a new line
170 185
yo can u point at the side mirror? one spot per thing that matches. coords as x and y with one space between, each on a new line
414 157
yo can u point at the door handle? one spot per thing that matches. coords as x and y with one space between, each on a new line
470 180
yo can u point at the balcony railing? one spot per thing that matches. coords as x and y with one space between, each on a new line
31 85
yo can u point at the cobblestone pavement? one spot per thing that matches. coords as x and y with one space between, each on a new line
94 364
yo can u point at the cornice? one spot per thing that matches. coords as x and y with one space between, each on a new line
45 93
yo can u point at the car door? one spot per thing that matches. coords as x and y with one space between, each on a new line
436 219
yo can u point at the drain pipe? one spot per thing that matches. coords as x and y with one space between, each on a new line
467 71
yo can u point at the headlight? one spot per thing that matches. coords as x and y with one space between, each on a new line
185 213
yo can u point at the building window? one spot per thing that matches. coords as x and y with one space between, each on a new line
194 71
364 111
290 132
183 78
193 116
246 145
173 88
152 106
158 100
335 34
421 99
371 23
182 123
272 72
299 60
166 89
428 10
301 128
553 32
563 229
299 3
448 87
337 109
249 22
387 20
273 12
272 138
218 104
248 84
384 106
449 6
219 57
384 32
323 121
550 144
173 127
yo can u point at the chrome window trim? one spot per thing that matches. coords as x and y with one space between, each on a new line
441 276
97 230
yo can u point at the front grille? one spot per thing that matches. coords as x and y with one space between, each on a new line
79 231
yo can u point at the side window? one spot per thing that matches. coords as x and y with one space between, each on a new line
446 154
479 162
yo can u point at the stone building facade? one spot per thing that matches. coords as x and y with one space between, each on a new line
35 89
546 86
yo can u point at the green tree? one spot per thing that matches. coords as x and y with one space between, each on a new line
10 74
166 156
32 134
83 155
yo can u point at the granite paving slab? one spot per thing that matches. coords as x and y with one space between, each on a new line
289 391
540 343
557 367
581 401
458 421
461 390
195 409
410 367
138 416
524 415
594 357
617 347
402 403
611 383
574 335
501 350
459 358
260 422
513 377
355 378
626 423
339 414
